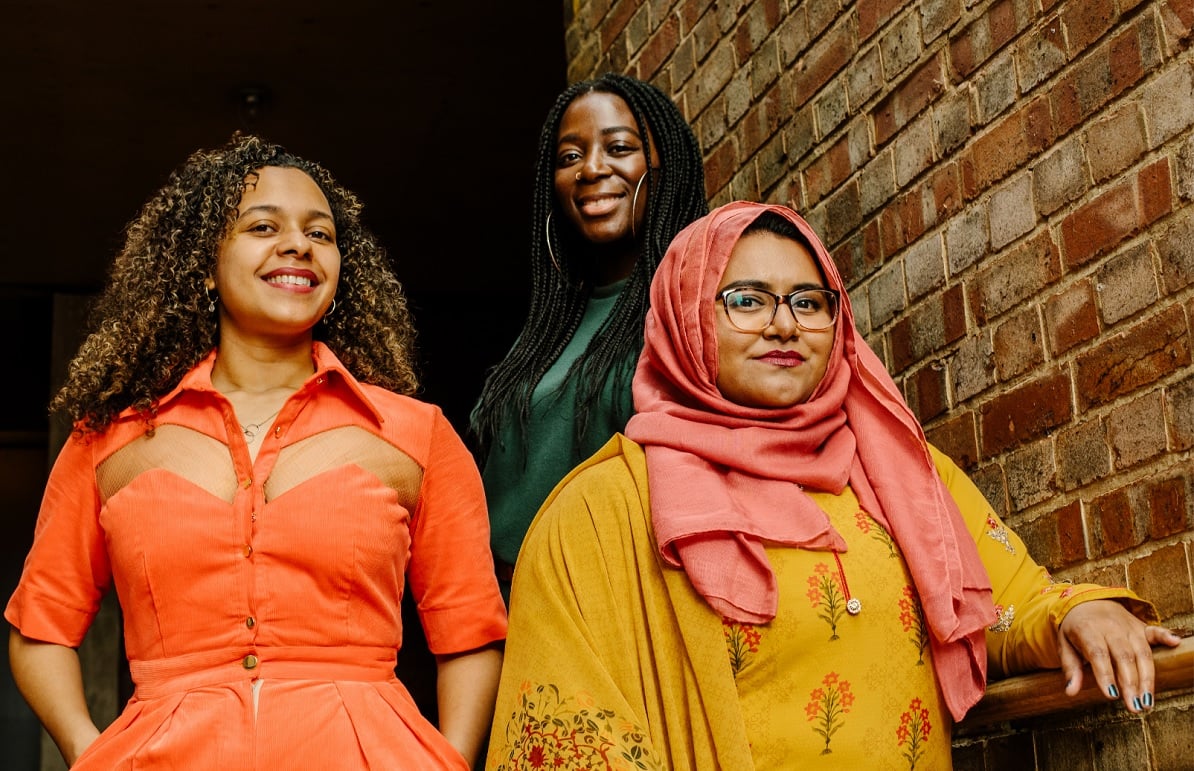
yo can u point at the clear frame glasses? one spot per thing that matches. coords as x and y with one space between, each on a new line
752 310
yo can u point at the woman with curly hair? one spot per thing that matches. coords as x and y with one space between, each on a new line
251 474
619 173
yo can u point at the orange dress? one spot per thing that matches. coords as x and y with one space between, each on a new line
261 600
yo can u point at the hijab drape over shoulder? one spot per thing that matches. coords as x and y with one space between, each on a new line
726 478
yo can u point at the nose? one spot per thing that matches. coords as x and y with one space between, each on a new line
594 166
294 241
783 324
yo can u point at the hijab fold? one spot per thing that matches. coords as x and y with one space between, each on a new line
727 479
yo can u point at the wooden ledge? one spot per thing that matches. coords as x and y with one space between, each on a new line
1043 693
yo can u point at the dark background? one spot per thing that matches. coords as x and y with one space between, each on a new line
429 111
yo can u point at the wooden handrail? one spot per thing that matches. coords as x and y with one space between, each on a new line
1042 693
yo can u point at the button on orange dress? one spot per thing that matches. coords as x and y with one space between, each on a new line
261 599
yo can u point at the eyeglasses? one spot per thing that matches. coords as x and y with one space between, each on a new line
752 310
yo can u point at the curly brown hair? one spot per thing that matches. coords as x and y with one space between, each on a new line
151 324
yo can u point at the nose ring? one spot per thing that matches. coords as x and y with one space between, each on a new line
578 176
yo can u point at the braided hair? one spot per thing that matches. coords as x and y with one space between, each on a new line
152 322
559 286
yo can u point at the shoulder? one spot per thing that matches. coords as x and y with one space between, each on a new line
599 492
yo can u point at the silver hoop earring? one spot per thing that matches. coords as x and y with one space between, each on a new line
634 203
550 253
211 301
330 310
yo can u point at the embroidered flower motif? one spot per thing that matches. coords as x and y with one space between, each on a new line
999 533
913 621
1003 618
741 640
872 528
825 590
551 732
827 705
913 731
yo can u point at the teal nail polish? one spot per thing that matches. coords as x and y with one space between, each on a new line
1148 701
1112 691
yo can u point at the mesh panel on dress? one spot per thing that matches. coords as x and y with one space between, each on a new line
196 457
344 446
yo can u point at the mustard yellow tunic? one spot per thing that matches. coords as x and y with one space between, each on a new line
614 662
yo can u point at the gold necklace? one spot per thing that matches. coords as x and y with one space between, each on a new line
250 430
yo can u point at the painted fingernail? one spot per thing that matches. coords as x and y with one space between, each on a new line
1148 701
1136 703
1112 691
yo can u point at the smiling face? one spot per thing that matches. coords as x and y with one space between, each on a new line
782 365
600 159
277 268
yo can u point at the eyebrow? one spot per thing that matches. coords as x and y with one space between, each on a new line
265 208
604 132
752 283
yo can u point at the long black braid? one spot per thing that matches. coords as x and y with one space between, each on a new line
676 197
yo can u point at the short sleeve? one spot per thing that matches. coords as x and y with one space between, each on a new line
67 570
451 570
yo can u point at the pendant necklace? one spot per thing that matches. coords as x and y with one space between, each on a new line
250 430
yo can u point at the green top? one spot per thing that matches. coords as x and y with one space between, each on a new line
518 472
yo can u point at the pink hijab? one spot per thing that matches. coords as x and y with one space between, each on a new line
726 478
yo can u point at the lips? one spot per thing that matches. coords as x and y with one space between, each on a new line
599 205
782 358
292 278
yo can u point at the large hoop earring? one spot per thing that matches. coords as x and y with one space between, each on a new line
634 203
330 310
211 301
550 253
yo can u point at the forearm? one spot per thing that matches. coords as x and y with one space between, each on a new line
49 677
466 688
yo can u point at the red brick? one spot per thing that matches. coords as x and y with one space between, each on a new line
938 322
612 25
833 52
1169 507
996 154
1070 533
1155 190
1097 227
1001 20
957 437
925 391
1114 527
720 165
1164 578
1178 18
660 46
1071 317
962 56
873 14
1039 133
908 99
1023 414
942 194
1133 359
1127 65
1086 22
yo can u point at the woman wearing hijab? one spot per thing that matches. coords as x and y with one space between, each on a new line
773 567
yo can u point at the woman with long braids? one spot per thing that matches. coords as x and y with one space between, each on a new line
249 472
618 174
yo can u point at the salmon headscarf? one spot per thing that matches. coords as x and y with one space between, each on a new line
725 478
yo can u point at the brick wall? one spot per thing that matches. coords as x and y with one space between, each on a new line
1005 185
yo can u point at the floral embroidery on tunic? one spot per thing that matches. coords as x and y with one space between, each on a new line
875 530
999 533
741 640
913 622
1003 618
825 590
913 731
552 732
827 706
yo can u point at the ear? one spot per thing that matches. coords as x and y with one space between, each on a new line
210 283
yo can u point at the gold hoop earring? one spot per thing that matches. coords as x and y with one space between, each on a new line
578 176
634 203
550 253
